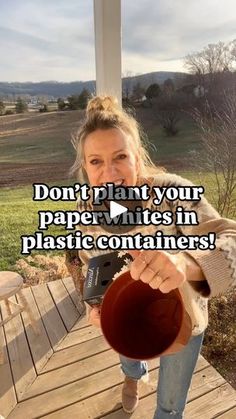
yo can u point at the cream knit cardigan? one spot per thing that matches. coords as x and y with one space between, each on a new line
218 265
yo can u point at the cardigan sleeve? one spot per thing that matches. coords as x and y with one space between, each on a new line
218 265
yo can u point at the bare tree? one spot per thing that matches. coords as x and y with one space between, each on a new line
212 60
169 114
127 83
168 88
218 151
167 111
138 91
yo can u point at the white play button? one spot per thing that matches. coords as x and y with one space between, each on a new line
113 201
116 209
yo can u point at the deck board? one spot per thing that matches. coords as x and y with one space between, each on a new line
229 414
212 403
76 298
72 372
80 323
69 370
7 389
70 393
22 365
53 323
76 353
79 336
39 343
194 409
64 303
110 399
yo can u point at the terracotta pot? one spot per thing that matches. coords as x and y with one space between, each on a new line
141 323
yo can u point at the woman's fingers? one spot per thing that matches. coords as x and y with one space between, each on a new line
148 264
156 282
148 274
172 282
159 269
140 263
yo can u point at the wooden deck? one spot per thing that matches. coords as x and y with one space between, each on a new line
69 371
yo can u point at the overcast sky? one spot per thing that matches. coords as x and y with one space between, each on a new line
54 39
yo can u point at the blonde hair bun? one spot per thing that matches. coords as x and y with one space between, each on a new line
102 104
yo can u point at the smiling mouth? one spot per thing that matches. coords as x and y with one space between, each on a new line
119 182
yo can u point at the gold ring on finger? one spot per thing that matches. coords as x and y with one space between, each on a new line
158 278
152 270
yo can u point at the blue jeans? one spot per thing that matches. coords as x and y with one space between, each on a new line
175 376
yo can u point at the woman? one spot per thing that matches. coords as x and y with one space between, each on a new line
109 149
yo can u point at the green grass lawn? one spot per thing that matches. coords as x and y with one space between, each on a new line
178 146
19 216
45 138
36 149
38 138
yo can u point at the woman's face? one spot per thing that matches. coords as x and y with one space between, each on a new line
109 157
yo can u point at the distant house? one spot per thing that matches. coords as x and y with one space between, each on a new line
199 91
193 89
139 100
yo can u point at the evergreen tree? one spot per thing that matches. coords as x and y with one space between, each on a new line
21 106
83 98
61 104
2 108
153 91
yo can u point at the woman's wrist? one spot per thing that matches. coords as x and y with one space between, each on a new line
192 269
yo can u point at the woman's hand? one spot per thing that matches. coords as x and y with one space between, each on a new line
94 316
159 269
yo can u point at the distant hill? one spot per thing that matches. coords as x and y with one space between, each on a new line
60 89
46 88
156 77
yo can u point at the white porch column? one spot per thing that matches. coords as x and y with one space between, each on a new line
107 23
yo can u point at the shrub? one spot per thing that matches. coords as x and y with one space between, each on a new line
220 336
9 112
40 268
